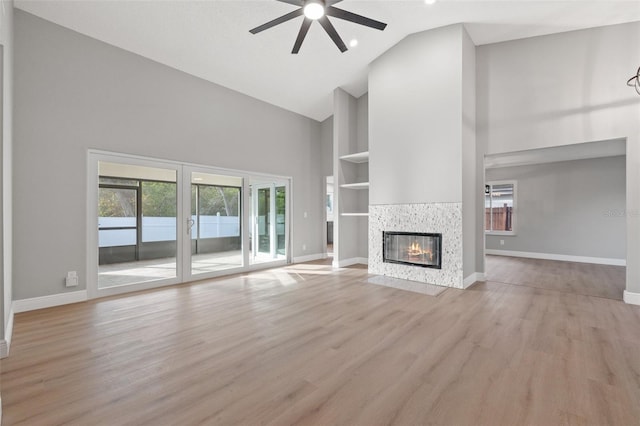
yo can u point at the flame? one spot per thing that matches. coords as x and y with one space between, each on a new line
416 250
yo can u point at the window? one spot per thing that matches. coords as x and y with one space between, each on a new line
499 206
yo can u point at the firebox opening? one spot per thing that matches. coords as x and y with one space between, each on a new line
412 248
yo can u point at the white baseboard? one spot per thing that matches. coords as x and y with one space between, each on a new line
560 257
5 345
348 262
631 298
4 349
476 276
25 305
309 258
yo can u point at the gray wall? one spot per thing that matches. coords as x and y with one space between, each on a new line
362 123
471 187
362 144
415 120
569 208
74 93
326 143
564 89
6 249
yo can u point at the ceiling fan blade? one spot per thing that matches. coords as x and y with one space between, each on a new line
280 20
329 28
355 18
293 2
330 2
301 35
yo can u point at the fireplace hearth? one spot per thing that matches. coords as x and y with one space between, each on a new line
412 248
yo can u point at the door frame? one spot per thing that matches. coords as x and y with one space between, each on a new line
183 199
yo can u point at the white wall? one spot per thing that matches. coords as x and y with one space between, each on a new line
74 93
6 39
573 208
564 89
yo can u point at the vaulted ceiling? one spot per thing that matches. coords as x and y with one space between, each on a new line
211 40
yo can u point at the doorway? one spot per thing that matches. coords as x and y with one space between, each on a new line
329 203
555 218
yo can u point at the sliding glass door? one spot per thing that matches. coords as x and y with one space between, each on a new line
214 222
154 223
137 224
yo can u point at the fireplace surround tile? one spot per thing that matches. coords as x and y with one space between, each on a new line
444 218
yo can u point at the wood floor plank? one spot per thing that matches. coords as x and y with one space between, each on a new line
606 281
306 344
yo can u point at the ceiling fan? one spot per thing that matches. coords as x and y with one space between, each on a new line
319 10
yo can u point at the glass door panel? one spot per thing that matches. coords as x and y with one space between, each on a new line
214 222
281 210
269 222
137 224
263 230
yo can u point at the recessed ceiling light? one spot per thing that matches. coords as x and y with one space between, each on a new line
353 43
314 10
429 1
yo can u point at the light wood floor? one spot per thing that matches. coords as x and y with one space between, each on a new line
307 345
569 277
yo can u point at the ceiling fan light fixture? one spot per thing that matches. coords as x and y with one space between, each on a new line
314 10
319 10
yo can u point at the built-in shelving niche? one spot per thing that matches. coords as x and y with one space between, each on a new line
356 158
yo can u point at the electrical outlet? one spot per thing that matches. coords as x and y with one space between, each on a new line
501 242
72 279
304 247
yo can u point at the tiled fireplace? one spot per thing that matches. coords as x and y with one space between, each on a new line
417 242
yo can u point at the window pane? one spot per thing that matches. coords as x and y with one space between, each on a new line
119 203
217 226
487 212
159 211
280 219
502 207
118 181
219 207
116 237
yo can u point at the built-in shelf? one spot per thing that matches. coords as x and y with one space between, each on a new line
358 157
359 185
354 214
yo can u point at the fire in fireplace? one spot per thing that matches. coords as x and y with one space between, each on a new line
412 248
